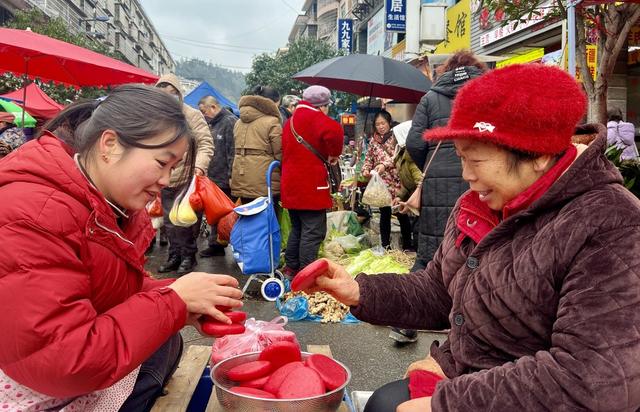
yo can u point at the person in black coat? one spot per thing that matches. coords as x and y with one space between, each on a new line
443 183
221 123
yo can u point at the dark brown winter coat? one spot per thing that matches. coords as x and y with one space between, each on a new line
544 312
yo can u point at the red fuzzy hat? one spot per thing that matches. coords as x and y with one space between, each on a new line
529 107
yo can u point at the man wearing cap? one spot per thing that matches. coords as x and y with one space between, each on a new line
538 275
308 136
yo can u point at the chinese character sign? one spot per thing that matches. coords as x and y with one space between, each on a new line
458 36
345 34
396 15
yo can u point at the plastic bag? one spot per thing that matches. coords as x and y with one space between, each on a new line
225 225
285 228
344 221
182 214
155 207
350 243
258 335
157 222
215 202
297 309
377 194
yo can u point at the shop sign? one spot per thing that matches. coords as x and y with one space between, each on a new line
376 34
396 15
458 34
345 35
515 26
529 56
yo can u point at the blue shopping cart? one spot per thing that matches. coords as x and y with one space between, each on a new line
255 242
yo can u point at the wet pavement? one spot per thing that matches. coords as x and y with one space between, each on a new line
373 358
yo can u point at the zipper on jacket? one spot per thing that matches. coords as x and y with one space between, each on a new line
112 232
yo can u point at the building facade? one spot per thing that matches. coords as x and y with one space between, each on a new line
122 25
317 21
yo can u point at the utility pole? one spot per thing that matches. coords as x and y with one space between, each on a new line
571 34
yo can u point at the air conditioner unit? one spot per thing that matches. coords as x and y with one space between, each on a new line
433 23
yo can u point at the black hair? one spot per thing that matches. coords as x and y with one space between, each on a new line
266 91
615 114
515 157
135 113
384 114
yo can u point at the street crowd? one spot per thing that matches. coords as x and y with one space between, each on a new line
526 240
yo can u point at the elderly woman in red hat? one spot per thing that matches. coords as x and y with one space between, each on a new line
538 276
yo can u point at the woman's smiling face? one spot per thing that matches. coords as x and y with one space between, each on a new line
490 172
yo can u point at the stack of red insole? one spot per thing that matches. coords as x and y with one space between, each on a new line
280 373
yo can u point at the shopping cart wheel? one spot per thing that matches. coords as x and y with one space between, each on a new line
272 289
278 275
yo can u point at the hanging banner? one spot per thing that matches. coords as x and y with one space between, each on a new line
592 62
396 15
458 35
345 35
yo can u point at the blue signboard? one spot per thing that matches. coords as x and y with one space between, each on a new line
345 34
396 15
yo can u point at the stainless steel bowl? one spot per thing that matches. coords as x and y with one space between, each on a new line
329 402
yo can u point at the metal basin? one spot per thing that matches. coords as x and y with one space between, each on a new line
329 402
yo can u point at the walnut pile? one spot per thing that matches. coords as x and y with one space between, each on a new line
324 305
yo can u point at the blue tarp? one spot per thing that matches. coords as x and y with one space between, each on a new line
205 89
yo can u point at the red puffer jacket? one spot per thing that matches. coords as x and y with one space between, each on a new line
304 177
78 312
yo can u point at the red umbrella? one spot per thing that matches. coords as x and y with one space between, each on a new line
34 55
38 103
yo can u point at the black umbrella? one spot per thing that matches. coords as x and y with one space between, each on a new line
368 75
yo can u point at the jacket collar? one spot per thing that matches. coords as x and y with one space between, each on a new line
48 161
570 177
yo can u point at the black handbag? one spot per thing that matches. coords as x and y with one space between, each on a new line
334 175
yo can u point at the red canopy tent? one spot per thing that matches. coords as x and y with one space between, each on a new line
38 103
34 55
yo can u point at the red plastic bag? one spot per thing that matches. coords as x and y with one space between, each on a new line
226 224
216 203
195 201
258 335
155 207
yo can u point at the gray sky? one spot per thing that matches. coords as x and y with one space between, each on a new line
227 33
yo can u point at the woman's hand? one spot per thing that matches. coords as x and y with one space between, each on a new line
380 168
395 201
339 284
415 405
202 292
427 364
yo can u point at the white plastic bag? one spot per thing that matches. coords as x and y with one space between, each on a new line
377 193
182 213
258 335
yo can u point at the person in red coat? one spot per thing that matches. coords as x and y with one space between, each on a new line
83 324
305 188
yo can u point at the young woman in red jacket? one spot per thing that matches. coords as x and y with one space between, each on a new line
83 325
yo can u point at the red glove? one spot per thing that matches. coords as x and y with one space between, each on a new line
422 383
